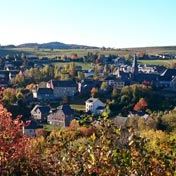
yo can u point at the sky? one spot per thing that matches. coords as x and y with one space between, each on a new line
109 23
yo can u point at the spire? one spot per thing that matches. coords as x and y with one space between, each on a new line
51 84
134 69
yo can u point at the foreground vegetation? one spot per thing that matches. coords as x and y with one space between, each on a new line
101 149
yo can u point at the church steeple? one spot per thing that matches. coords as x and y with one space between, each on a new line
134 69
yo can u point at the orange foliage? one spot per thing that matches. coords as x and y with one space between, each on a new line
141 104
74 56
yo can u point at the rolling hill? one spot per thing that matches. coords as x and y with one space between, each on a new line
55 45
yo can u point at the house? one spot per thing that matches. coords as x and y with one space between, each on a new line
86 85
173 83
88 73
62 88
115 82
43 94
94 105
30 128
39 113
167 78
138 113
110 80
61 116
119 83
119 61
120 121
13 74
3 79
9 66
78 68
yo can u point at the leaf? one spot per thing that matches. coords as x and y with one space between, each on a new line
80 148
93 137
92 156
115 154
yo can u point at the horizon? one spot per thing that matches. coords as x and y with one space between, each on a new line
114 24
89 45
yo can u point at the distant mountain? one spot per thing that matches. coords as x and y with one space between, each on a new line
55 45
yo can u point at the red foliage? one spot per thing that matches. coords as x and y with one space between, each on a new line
74 56
93 90
12 141
141 104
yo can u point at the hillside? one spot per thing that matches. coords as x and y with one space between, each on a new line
55 45
54 49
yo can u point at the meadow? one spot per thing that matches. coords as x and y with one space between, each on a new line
52 53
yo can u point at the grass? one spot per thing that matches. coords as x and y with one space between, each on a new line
166 63
84 66
81 52
51 127
78 107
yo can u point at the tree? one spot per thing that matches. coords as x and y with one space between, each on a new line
80 76
72 69
105 70
94 92
24 60
19 80
9 96
104 86
12 143
141 104
169 121
74 56
114 92
31 86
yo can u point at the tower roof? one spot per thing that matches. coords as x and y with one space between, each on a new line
134 69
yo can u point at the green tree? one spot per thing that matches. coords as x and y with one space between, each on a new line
169 121
114 92
72 69
105 70
9 96
104 86
80 76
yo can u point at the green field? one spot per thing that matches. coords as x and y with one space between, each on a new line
81 52
166 63
78 107
84 66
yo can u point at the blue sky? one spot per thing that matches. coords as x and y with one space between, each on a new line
109 23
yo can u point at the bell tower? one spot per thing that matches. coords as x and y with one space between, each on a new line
134 69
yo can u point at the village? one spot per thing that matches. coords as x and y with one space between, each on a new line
50 94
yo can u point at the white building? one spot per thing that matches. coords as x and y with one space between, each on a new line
94 105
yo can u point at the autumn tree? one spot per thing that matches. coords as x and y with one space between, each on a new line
12 143
19 80
141 104
9 96
31 86
94 92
